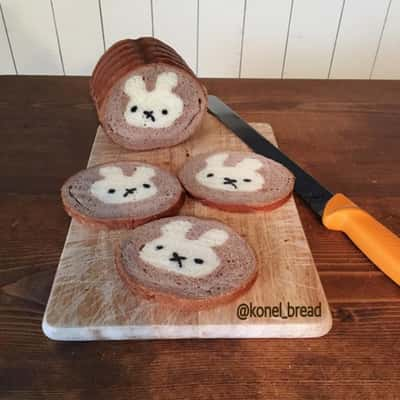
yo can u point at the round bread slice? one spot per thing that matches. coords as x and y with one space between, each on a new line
146 96
121 195
186 262
237 181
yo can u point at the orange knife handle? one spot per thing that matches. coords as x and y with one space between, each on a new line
377 242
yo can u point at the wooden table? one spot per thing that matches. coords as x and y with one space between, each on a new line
346 133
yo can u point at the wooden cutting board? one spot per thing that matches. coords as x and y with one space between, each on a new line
88 300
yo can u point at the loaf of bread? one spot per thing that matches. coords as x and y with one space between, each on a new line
121 195
237 181
145 95
186 262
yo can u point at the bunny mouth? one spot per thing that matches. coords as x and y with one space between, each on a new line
149 115
129 191
230 181
177 258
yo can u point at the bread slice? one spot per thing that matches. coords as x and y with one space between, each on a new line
121 195
146 96
237 181
186 262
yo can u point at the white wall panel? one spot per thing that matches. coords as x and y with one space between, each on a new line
311 39
33 36
80 35
126 19
6 61
358 38
264 41
220 37
175 22
387 64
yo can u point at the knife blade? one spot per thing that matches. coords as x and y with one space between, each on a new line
338 212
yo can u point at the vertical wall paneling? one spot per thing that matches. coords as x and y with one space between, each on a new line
6 61
264 40
175 22
79 34
33 38
387 65
126 19
358 38
338 39
311 39
220 37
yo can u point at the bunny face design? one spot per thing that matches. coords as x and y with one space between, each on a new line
172 251
243 177
117 188
158 108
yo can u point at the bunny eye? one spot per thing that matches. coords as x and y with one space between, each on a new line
111 191
164 111
198 260
134 109
159 247
246 180
210 175
146 185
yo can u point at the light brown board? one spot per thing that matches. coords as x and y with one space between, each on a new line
88 300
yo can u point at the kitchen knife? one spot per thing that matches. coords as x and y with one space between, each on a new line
338 212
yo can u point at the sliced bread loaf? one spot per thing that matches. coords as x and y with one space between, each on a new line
121 194
188 262
145 95
237 181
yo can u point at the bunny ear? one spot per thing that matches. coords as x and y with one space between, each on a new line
166 81
144 172
176 229
213 238
111 172
249 163
217 159
134 85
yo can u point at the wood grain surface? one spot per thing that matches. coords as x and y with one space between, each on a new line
345 133
89 301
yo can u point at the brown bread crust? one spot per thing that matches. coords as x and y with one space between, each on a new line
243 208
115 223
119 223
175 301
124 57
189 294
227 201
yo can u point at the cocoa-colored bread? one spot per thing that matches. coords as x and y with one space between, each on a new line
121 195
186 262
237 181
145 95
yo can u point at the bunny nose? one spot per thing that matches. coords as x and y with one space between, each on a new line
177 258
149 115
